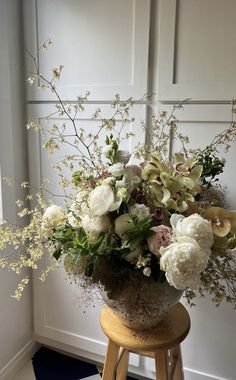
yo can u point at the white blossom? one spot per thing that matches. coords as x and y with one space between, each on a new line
147 271
100 200
140 211
107 150
96 225
196 227
183 262
54 216
117 170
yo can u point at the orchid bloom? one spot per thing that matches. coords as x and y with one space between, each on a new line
222 221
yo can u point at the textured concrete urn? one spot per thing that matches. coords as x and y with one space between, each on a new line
142 305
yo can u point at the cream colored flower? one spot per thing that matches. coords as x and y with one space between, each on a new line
117 170
100 200
122 224
54 216
183 262
222 221
195 227
107 150
140 211
147 271
96 225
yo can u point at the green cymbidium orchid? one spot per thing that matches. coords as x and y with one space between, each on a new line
172 184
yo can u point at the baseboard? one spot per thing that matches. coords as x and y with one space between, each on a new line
196 375
18 361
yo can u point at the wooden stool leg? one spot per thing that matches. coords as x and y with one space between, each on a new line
161 361
121 373
110 361
176 356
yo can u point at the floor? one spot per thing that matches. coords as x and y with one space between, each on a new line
51 365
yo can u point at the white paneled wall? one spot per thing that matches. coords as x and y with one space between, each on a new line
102 44
181 49
197 50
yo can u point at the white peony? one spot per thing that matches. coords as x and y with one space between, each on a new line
100 200
183 262
96 225
54 216
174 219
195 227
117 170
122 224
140 211
117 202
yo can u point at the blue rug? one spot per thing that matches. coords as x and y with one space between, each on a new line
51 365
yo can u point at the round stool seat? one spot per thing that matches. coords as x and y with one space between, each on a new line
169 333
162 343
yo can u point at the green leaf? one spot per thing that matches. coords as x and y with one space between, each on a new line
57 253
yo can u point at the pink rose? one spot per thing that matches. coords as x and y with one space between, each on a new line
162 238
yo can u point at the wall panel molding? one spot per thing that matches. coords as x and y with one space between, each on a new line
96 61
207 85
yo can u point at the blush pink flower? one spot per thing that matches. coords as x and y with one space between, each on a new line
162 238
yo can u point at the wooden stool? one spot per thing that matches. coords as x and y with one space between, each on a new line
161 343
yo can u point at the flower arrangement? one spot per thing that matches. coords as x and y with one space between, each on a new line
161 218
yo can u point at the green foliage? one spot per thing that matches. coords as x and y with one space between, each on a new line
212 166
140 232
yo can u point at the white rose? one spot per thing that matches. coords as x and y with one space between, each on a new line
140 210
183 262
122 224
54 216
123 156
73 221
195 227
96 225
117 170
100 200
